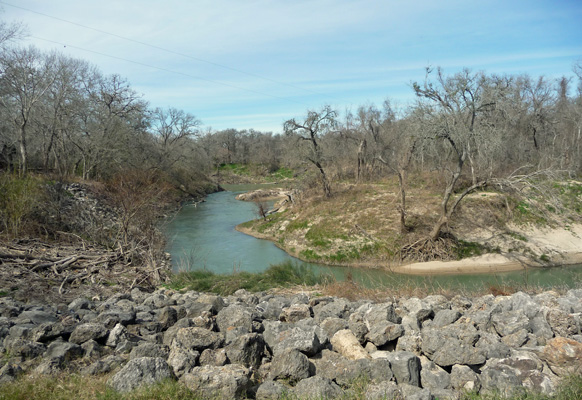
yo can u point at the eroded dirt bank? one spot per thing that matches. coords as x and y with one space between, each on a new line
359 228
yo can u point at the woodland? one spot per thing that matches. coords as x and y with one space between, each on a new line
64 120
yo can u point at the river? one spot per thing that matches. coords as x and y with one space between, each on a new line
202 236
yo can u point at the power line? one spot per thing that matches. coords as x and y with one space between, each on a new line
167 50
169 70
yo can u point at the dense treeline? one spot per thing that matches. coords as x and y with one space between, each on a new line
62 115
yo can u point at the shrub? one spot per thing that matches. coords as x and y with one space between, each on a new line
19 196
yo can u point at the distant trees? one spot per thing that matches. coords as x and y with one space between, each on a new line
62 115
26 76
172 128
311 129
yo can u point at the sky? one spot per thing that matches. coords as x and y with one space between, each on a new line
252 64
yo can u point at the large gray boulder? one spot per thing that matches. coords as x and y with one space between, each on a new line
20 349
562 323
182 360
304 339
139 372
215 358
384 332
37 317
247 350
295 313
509 322
332 325
230 381
405 367
376 313
198 339
290 365
272 390
464 378
337 308
270 308
445 317
235 316
345 371
452 344
171 333
492 345
317 387
523 303
64 351
432 376
50 331
89 331
148 349
499 378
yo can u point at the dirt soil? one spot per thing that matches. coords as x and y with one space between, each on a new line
359 226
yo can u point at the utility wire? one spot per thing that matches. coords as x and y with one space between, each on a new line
166 50
169 70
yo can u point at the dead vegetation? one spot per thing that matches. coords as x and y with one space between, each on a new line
31 269
359 225
83 239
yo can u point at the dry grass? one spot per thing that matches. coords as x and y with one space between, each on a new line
359 225
76 387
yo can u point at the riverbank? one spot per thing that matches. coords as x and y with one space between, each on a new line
86 238
487 263
358 227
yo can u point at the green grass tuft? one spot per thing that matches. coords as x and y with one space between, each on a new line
279 275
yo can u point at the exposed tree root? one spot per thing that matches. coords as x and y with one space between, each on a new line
424 250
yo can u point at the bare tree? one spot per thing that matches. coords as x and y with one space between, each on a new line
315 125
26 75
172 127
10 32
451 107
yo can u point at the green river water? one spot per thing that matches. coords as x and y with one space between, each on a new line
202 236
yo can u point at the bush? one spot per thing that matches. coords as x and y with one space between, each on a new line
18 199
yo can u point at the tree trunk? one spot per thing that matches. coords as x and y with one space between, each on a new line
324 181
402 208
23 149
444 214
361 160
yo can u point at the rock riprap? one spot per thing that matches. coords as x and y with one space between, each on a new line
269 346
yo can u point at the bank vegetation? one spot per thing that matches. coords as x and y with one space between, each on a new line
378 182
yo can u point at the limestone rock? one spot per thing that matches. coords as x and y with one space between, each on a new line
290 365
317 387
346 343
227 382
563 355
139 372
89 331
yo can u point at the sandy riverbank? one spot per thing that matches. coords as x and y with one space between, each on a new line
561 247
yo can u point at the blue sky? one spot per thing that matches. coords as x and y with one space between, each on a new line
255 63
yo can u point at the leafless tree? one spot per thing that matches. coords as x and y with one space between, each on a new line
26 75
452 106
315 125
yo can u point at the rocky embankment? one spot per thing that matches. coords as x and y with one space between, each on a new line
264 345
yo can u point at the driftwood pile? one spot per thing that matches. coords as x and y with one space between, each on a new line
31 269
